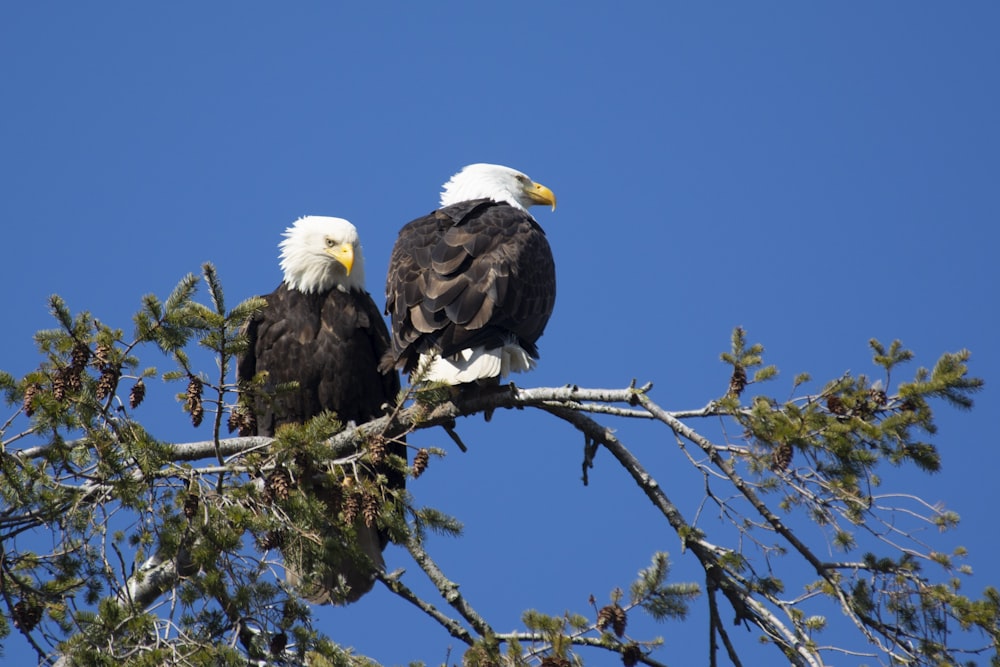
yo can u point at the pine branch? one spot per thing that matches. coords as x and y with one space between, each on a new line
448 589
862 622
415 417
453 627
743 603
570 404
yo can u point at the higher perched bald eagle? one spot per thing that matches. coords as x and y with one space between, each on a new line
322 330
472 285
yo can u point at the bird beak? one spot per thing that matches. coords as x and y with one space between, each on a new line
540 194
344 253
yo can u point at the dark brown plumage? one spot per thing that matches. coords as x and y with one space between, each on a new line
472 278
330 343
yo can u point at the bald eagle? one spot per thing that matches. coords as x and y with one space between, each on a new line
471 286
322 330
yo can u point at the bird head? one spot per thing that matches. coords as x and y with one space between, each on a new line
320 253
496 182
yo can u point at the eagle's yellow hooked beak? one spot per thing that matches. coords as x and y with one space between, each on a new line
540 194
343 253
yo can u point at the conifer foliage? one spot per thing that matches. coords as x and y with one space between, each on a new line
132 520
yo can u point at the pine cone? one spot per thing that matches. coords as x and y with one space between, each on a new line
273 540
249 425
369 508
836 405
738 382
614 616
276 486
278 643
191 505
782 457
72 379
420 462
241 418
107 383
555 661
79 358
604 617
878 396
59 386
631 654
26 615
478 656
102 355
193 404
232 423
29 399
197 414
352 505
376 449
137 394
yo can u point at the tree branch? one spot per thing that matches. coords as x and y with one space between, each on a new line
448 589
744 604
393 583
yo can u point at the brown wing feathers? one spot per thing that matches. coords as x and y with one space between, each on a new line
470 274
329 343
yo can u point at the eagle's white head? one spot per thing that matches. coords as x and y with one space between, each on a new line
320 253
496 182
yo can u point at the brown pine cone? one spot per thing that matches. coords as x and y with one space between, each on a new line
242 419
738 382
369 509
614 616
376 449
420 462
836 405
194 405
351 507
631 654
278 643
276 485
102 355
107 382
555 661
782 457
273 540
79 358
29 399
137 394
191 505
26 615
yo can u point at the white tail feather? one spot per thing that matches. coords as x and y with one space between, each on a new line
476 363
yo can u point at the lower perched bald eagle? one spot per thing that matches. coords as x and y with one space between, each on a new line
472 285
322 330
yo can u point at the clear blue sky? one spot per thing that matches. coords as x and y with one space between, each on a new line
820 173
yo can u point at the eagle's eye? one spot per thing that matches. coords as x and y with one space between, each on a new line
330 242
